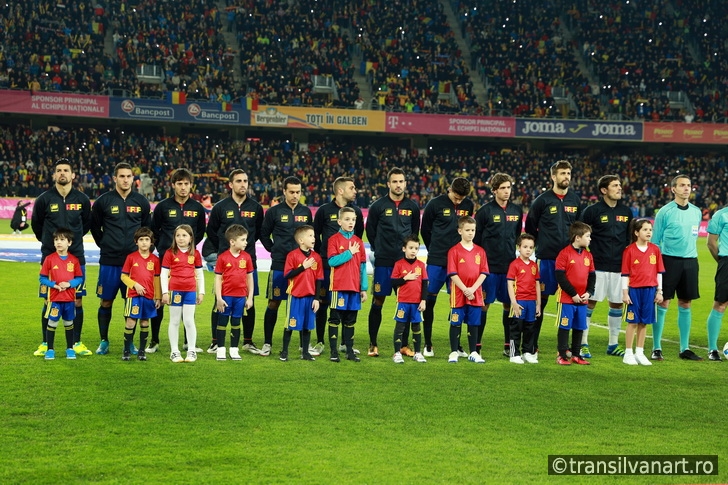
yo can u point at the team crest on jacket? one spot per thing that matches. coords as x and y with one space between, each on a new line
54 208
653 259
284 217
586 261
114 209
150 265
533 271
418 271
242 264
446 212
314 266
191 259
496 218
477 259
69 267
553 209
173 213
229 214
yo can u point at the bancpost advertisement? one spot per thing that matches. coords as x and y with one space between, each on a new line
318 118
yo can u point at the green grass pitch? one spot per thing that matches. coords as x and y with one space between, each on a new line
98 419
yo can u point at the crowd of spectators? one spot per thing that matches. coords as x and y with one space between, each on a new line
635 52
27 156
284 45
412 57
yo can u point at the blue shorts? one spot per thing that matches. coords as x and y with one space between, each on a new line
408 312
496 286
235 306
571 317
345 300
528 314
277 286
383 280
179 298
437 277
110 282
642 309
80 289
300 313
549 285
139 308
467 314
61 310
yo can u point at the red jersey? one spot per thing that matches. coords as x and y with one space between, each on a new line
642 266
577 265
468 265
234 271
182 269
410 291
143 271
346 277
526 276
303 284
58 270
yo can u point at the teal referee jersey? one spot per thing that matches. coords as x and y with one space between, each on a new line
718 226
676 230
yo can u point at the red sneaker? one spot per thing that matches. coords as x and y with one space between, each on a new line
561 361
576 359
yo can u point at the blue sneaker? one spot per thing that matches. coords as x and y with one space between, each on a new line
50 354
615 350
585 352
103 348
134 350
71 354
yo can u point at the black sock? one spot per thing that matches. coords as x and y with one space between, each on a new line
576 336
398 329
515 331
234 332
539 321
562 342
44 322
454 337
222 322
248 325
69 336
417 337
104 317
405 335
269 325
287 339
375 321
156 324
428 317
321 323
334 338
305 341
143 336
50 336
78 324
472 337
348 335
214 322
128 338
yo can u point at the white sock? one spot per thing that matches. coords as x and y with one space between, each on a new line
615 325
628 352
175 315
188 317
639 351
585 334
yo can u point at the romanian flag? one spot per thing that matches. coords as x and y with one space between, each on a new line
251 104
176 97
226 106
97 28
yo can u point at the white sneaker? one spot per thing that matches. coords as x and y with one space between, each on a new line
251 348
176 357
397 358
342 348
235 353
313 351
428 353
221 355
642 359
475 357
530 358
152 348
462 353
629 359
319 348
265 351
517 360
212 348
418 357
191 356
453 358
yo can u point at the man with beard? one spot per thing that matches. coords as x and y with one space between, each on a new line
549 219
609 219
115 217
58 207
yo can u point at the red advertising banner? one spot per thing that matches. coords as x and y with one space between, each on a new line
708 133
426 124
50 103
